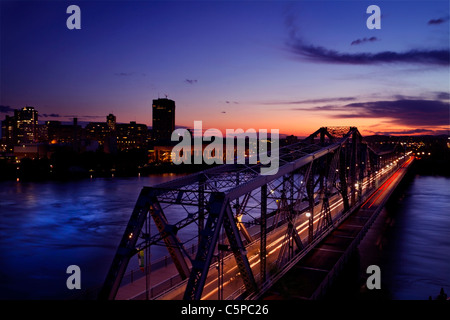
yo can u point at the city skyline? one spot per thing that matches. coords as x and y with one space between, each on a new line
294 66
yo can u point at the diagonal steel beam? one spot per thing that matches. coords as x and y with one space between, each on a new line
168 234
127 247
238 249
206 248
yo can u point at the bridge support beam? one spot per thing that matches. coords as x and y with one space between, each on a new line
336 160
310 193
238 249
220 213
127 247
168 234
206 248
263 233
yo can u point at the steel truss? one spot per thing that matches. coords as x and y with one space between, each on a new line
330 161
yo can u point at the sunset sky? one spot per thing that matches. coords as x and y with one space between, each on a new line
293 66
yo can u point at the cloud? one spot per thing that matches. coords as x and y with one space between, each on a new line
321 54
6 109
415 113
123 74
80 117
405 132
313 101
191 81
128 74
363 40
442 95
50 115
437 21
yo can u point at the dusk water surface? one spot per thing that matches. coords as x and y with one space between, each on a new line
47 226
417 259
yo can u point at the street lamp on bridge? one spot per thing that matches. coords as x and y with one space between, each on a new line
310 226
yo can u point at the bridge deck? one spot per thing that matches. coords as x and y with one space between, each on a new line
311 274
315 272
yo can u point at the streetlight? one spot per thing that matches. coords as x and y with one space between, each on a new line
310 226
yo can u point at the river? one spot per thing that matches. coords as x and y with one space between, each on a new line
47 226
409 241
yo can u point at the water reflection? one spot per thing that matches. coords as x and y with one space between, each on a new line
47 226
419 259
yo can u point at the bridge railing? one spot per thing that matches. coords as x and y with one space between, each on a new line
175 280
159 288
163 262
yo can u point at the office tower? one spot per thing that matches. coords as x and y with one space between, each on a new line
131 135
8 133
163 120
111 121
26 125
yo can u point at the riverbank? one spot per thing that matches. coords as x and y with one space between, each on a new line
41 170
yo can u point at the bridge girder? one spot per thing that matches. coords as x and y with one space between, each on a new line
327 160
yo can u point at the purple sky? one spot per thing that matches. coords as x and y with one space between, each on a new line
292 66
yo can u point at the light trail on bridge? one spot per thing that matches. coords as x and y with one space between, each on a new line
385 185
278 242
327 176
301 229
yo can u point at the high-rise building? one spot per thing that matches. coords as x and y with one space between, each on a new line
8 133
98 131
163 120
63 133
26 125
111 121
131 135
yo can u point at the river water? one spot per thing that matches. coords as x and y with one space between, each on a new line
409 241
415 252
47 226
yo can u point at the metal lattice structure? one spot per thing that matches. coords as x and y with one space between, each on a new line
330 162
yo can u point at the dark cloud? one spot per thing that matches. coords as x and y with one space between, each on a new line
313 101
6 109
442 95
363 40
51 115
438 21
416 113
123 74
404 132
190 81
321 54
89 117
127 74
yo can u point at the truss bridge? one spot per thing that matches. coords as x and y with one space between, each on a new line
232 233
